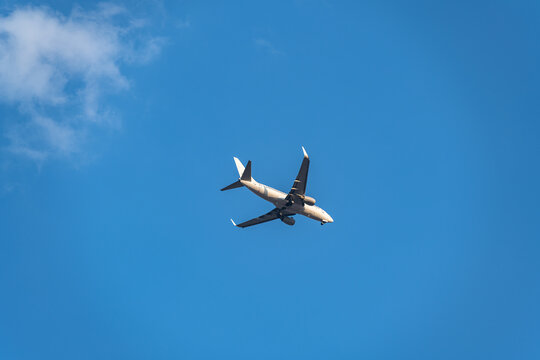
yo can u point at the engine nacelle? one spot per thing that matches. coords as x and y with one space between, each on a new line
309 200
288 220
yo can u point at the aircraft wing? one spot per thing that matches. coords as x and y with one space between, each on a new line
272 215
299 185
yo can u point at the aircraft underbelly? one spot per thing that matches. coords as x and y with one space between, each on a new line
312 212
267 193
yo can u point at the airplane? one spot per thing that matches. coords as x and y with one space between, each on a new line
286 205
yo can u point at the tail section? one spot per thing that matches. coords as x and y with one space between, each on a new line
234 185
245 174
239 166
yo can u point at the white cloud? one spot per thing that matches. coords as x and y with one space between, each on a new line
55 69
41 137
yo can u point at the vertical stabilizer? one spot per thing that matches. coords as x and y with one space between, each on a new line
239 166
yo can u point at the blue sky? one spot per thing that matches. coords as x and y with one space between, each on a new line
118 126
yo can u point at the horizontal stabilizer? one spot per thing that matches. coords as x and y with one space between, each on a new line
246 175
234 185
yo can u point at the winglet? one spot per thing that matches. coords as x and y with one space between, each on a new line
233 222
305 153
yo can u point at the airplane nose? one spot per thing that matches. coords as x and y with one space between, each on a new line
330 220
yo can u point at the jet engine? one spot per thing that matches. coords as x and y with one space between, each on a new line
309 200
288 220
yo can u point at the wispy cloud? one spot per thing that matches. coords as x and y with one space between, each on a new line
267 46
55 70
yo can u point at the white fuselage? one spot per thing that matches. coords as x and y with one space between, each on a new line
278 198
